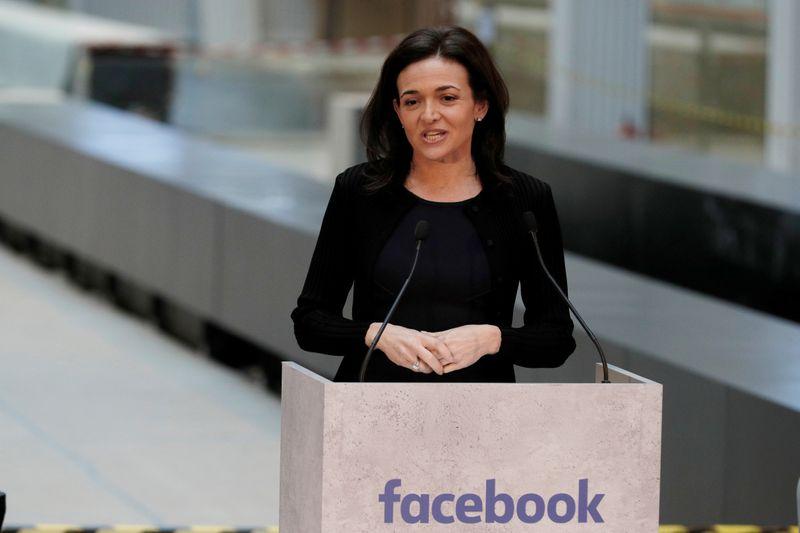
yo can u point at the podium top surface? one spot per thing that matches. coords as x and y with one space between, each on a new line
616 375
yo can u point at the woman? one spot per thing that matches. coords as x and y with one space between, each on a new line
434 129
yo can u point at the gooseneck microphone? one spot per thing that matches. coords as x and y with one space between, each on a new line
421 232
530 222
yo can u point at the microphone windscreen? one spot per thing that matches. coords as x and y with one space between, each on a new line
530 221
422 230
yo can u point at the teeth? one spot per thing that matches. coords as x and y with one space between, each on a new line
432 136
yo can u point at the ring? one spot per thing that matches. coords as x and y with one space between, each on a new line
415 366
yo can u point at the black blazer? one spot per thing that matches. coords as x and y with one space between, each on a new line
357 224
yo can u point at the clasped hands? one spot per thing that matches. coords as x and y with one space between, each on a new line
440 351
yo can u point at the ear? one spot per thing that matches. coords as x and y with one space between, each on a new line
396 107
481 108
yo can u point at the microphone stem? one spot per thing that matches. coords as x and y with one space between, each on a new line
388 315
574 311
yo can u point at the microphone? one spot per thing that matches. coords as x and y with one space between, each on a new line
530 222
421 232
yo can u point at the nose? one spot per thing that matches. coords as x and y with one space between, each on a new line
431 112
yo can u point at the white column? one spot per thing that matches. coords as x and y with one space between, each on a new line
599 68
344 142
244 23
295 20
233 23
782 147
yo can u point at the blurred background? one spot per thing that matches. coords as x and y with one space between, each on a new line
164 167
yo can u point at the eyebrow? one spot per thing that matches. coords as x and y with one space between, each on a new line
442 88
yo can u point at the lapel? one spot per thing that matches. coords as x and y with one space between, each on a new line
486 214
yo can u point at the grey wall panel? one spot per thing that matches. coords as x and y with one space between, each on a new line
262 270
159 236
193 276
117 205
726 229
693 446
47 189
579 367
24 188
760 477
69 177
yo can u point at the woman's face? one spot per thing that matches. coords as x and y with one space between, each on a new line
437 110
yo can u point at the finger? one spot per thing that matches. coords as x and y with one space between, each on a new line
447 356
423 367
430 359
441 350
453 367
408 357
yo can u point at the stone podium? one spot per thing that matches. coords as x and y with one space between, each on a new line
371 457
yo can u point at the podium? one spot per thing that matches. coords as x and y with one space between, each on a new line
372 457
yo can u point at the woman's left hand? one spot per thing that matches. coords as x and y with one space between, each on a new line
468 343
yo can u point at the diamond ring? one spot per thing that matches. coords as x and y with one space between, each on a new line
415 366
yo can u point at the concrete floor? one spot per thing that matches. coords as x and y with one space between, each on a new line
104 420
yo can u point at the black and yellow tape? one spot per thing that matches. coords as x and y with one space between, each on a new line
134 528
726 528
144 528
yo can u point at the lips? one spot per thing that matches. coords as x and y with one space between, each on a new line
433 136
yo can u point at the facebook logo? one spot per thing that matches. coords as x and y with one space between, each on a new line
494 507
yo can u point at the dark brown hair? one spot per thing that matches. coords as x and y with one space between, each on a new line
388 149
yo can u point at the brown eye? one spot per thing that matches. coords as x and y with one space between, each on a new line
409 102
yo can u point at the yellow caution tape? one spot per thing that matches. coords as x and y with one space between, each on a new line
712 115
128 528
135 528
211 528
736 529
50 528
144 528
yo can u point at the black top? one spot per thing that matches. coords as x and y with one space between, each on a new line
355 229
450 287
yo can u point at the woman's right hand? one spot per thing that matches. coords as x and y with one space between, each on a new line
405 346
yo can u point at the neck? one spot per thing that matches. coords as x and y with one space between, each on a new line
440 175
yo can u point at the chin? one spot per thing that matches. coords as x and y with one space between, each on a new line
438 157
437 152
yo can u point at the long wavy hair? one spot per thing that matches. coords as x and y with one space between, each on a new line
388 149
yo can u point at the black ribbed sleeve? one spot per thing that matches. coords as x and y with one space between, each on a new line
545 338
318 322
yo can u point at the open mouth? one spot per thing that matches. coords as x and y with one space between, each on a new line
434 137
